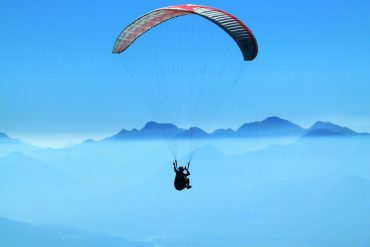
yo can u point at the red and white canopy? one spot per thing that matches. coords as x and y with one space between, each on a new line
229 23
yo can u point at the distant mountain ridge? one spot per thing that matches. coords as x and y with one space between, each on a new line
16 233
269 127
272 126
151 130
5 138
329 129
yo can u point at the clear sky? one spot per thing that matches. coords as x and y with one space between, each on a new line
59 81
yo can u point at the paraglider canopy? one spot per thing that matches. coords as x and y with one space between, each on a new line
229 23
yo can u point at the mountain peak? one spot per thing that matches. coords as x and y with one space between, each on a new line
332 127
317 132
321 124
89 141
154 125
194 132
151 130
274 119
271 126
3 136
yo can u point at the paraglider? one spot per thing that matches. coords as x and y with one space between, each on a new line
234 27
181 180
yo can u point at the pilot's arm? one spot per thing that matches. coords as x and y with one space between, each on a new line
175 165
187 172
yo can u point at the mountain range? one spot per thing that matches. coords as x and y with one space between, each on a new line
270 127
16 233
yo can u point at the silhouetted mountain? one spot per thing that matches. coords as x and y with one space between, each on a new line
223 133
9 145
333 127
15 233
272 126
151 130
193 132
320 129
322 132
5 138
89 141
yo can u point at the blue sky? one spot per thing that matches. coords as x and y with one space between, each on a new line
59 78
